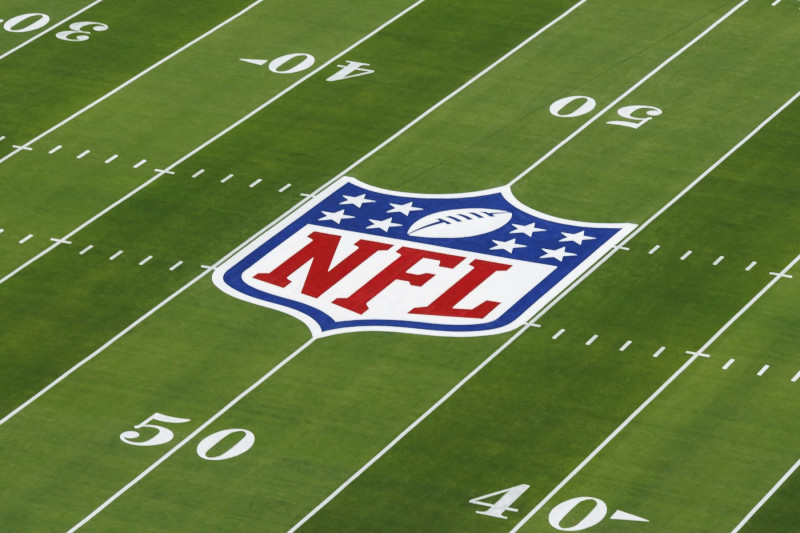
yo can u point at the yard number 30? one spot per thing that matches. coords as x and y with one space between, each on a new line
164 435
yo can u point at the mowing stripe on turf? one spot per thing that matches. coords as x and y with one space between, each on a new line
551 305
189 438
127 83
624 95
766 497
224 132
196 279
696 355
210 141
48 30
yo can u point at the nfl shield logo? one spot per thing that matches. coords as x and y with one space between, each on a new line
361 258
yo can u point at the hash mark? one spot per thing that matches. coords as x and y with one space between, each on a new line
175 266
750 266
140 163
119 253
163 171
775 3
728 364
18 147
196 174
86 249
110 159
557 335
590 341
55 149
2 137
763 369
282 189
226 178
625 346
26 239
796 377
719 260
687 254
654 249
145 260
255 183
83 154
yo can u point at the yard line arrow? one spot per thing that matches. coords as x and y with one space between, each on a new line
259 62
627 517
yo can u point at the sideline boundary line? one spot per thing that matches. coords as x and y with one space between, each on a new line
48 30
627 93
698 354
213 139
191 436
129 82
766 497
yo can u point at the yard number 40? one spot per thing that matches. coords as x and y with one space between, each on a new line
164 435
630 113
499 503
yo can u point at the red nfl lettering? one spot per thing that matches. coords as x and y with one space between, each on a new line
320 252
360 258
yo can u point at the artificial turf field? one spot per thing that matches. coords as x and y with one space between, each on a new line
656 394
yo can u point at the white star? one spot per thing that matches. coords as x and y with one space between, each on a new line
577 238
509 245
385 225
559 254
528 230
337 217
406 209
357 201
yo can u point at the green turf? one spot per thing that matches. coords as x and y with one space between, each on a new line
698 459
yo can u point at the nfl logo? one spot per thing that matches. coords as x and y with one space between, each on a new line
361 258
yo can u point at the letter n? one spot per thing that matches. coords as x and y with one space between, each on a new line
320 252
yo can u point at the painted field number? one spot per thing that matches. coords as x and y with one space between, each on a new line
503 504
208 448
635 116
77 32
301 61
576 514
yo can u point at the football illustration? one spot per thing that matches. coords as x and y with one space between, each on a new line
459 223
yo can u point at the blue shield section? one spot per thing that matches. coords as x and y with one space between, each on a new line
487 224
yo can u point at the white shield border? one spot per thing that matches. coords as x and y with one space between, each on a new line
624 229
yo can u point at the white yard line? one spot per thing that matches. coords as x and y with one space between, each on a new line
766 497
408 430
48 30
108 95
130 81
624 95
189 438
216 137
713 167
652 397
255 236
195 280
561 296
100 350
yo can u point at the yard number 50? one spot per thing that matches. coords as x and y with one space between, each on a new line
164 435
630 113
